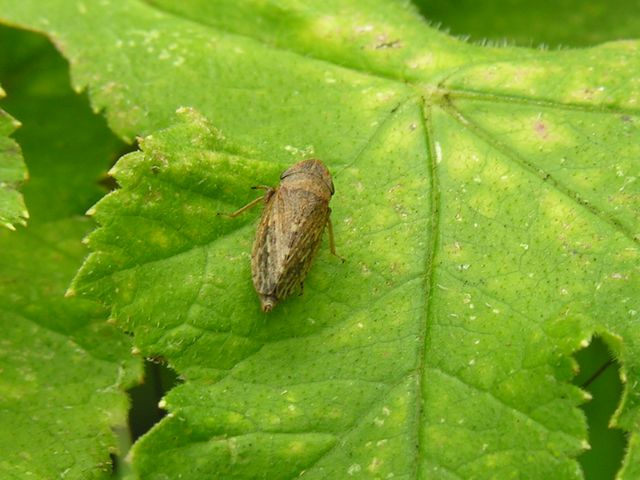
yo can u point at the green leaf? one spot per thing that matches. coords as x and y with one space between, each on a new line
61 127
12 173
63 366
486 200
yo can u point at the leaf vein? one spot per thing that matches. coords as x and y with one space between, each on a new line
541 174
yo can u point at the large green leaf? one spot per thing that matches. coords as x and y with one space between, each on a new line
486 201
63 367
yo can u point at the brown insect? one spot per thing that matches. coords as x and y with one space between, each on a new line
290 230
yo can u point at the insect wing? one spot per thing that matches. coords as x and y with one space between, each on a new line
288 237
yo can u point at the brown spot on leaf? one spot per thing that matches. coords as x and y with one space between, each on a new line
541 129
392 44
385 42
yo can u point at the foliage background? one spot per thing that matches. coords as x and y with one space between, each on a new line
67 150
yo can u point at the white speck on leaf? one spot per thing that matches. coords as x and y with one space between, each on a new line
328 78
374 465
363 28
438 149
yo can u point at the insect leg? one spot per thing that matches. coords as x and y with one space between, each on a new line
252 203
249 205
332 242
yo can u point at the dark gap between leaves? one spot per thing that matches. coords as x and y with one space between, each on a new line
107 181
144 411
600 376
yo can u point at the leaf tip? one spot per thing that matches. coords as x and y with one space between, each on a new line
71 292
185 110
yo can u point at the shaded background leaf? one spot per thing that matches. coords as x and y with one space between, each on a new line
564 23
12 173
63 367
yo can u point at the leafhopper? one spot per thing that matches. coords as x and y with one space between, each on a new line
290 231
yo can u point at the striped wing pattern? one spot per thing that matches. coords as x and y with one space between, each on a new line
288 237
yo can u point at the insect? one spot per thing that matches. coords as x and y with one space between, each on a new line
290 231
